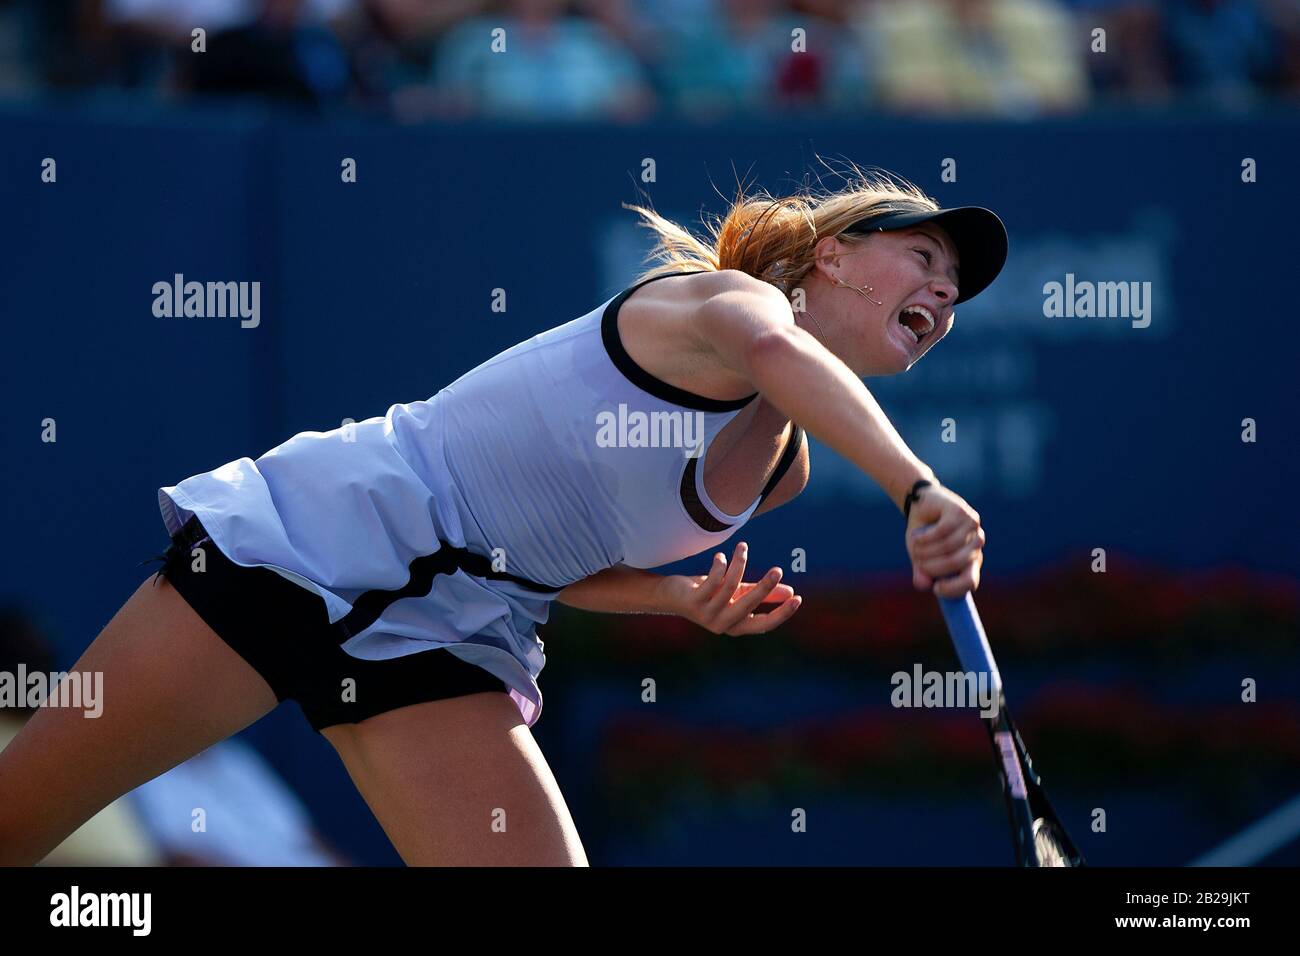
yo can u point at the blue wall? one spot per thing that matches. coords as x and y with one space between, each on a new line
1072 433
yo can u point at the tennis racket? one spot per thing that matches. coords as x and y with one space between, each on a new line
1038 835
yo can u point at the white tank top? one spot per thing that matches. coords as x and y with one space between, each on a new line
558 458
574 458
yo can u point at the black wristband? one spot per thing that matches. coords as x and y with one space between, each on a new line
913 496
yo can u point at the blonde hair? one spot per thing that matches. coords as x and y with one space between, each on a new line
772 238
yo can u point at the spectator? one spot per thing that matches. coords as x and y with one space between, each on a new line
741 55
1135 65
278 49
987 56
390 44
147 38
287 52
1220 48
552 67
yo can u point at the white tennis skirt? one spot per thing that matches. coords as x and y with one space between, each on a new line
344 515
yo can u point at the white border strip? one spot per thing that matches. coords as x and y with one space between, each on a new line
1257 841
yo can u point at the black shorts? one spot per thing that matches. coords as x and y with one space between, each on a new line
284 633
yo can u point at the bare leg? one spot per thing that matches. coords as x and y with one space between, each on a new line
171 688
460 782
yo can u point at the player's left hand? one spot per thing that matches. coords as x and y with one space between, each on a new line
722 603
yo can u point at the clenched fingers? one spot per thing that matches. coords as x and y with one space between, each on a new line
953 561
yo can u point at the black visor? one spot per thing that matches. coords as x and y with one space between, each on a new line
978 234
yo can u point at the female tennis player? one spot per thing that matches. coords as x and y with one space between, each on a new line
389 576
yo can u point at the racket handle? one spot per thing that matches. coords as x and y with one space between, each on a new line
968 637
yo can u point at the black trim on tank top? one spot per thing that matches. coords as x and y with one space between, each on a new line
787 459
643 379
703 517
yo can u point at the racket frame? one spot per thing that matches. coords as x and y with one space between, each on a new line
1026 800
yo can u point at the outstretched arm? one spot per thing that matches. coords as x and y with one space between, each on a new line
752 334
618 590
720 601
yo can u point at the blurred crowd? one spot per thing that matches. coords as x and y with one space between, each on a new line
626 59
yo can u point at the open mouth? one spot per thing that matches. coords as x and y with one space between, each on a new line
918 320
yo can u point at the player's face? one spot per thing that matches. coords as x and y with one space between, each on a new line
912 273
